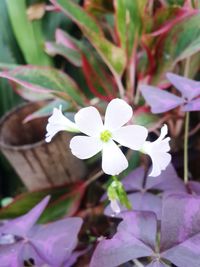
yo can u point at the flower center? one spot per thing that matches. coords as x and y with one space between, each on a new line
105 136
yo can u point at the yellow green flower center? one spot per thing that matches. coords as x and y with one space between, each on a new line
105 136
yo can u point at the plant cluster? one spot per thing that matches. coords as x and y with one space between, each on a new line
122 55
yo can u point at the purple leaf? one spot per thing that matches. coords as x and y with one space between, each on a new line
167 181
140 201
143 200
180 230
193 105
73 258
134 181
135 234
56 241
159 100
29 253
23 224
179 221
194 187
188 88
9 255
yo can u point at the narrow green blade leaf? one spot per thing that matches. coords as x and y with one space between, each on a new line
28 34
113 56
182 41
46 80
129 22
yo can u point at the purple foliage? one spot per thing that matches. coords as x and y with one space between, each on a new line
139 189
161 101
179 241
50 244
188 88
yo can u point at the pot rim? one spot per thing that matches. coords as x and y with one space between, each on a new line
7 115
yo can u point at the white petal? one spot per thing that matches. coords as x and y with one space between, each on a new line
89 121
58 122
113 160
159 163
163 132
118 113
158 152
115 206
84 147
132 136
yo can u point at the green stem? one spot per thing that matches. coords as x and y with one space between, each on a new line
187 121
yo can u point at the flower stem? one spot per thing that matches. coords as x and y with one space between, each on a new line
93 178
187 121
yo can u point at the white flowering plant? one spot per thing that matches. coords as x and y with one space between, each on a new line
107 137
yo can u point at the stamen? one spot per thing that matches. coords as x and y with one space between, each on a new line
105 136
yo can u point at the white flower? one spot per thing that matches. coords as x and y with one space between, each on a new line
115 206
157 150
101 137
58 122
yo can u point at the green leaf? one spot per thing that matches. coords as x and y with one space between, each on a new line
129 22
46 81
145 119
73 56
28 34
47 109
9 53
113 56
98 78
65 201
98 7
116 191
182 41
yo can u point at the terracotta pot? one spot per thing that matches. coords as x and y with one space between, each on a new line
38 164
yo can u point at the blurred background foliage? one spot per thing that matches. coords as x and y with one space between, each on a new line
22 42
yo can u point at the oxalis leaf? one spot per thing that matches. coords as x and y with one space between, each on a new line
46 80
162 101
139 189
113 56
136 236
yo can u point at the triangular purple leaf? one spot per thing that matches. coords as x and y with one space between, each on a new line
159 100
9 255
180 220
73 258
180 230
135 234
188 88
134 181
56 241
28 252
193 105
140 201
167 181
22 225
194 187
